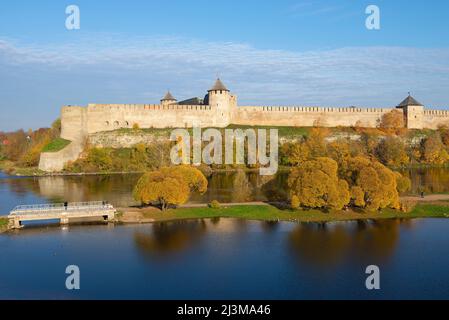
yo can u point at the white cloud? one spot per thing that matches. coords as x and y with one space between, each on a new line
371 76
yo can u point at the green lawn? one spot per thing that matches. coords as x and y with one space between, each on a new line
270 213
56 145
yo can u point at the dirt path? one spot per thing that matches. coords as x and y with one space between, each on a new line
203 205
427 198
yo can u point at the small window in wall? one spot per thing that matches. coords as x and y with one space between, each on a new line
126 124
116 124
107 123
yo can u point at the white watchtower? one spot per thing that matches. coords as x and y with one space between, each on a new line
220 102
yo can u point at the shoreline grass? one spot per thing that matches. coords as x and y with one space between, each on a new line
3 224
271 213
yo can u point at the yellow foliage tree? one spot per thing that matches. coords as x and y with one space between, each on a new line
376 182
392 121
316 185
391 151
403 183
316 141
169 186
433 150
194 178
295 153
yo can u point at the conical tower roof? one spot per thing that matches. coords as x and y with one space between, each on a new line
218 85
409 101
168 96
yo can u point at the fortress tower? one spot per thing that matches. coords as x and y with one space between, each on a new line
413 113
220 100
168 99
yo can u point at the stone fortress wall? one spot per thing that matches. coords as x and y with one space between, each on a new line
220 109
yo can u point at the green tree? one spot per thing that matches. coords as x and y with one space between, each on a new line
99 158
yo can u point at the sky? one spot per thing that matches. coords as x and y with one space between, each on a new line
303 52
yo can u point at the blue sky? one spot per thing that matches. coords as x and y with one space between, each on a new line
304 52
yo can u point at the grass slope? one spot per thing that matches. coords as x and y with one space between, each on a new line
56 145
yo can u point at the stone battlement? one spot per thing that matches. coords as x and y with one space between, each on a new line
315 109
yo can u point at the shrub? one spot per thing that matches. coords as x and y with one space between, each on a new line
99 158
214 204
408 205
294 202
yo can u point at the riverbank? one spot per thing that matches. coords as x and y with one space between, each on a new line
266 212
3 224
271 213
9 168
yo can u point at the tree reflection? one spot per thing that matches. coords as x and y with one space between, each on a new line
377 241
326 246
318 245
170 237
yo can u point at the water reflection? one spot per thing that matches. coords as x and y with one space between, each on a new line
429 180
317 244
238 186
327 245
230 259
170 237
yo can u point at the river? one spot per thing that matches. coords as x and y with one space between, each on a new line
218 258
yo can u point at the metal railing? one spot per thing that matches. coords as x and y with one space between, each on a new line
60 207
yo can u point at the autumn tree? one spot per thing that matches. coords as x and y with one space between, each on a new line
403 183
444 133
339 150
295 153
315 184
373 186
433 150
391 151
316 141
169 186
99 158
392 120
194 178
160 188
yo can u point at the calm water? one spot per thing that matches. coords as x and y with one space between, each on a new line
221 258
228 258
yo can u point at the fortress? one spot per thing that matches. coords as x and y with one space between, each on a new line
219 109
